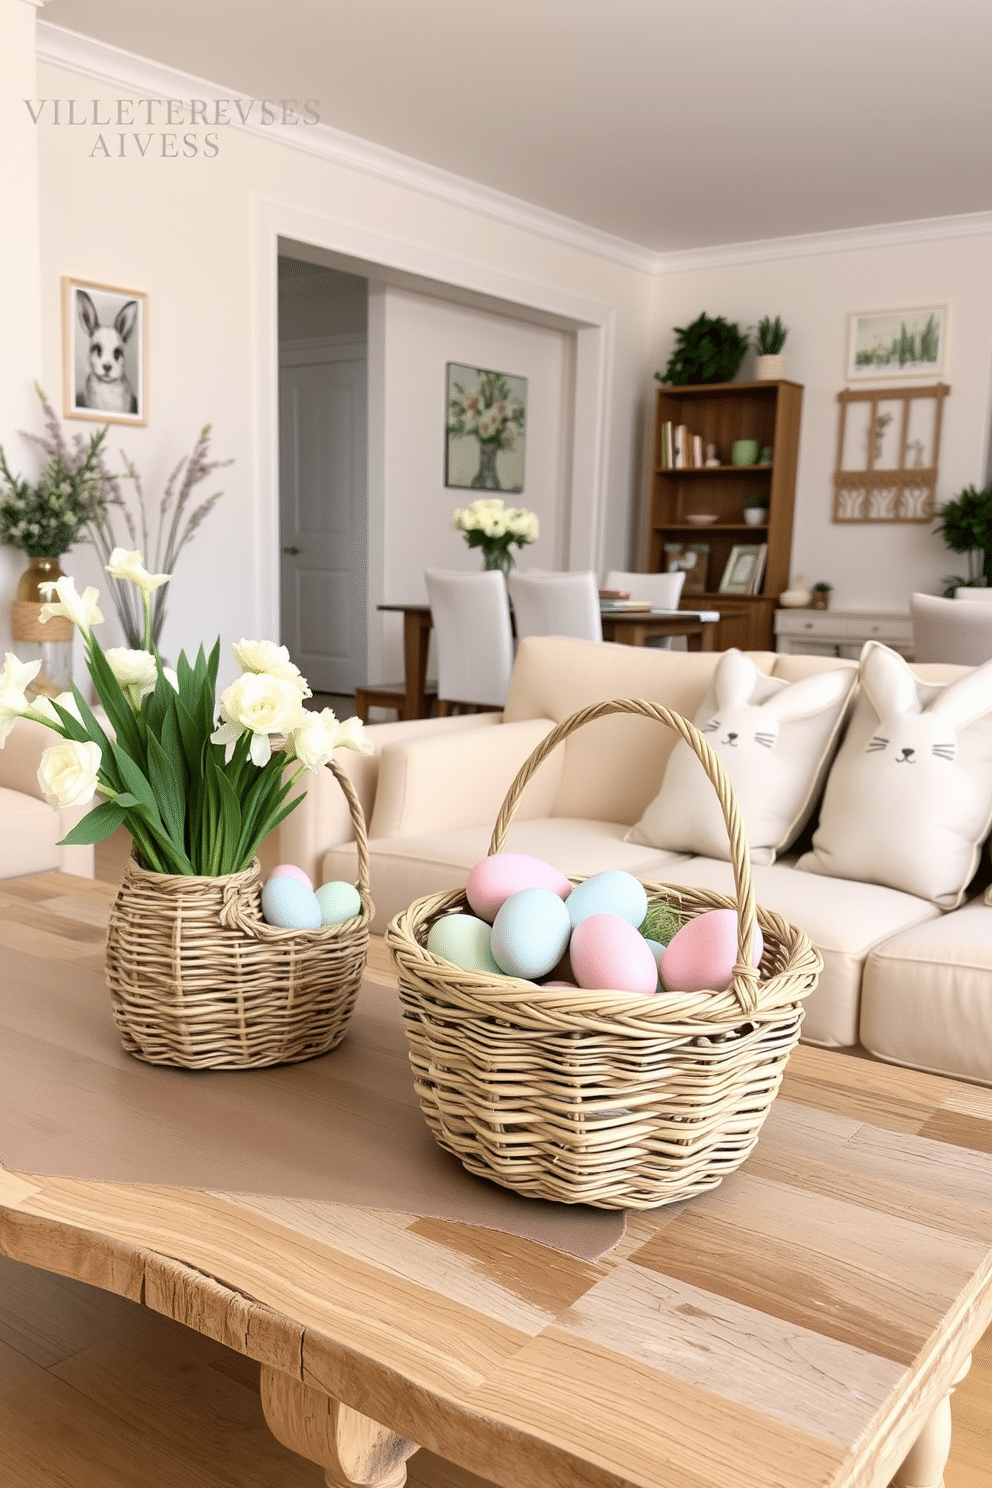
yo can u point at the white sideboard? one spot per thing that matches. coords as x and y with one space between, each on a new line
840 632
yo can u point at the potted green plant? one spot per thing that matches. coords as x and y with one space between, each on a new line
965 524
820 595
756 510
711 349
769 364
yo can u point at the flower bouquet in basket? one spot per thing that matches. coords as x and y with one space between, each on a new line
197 977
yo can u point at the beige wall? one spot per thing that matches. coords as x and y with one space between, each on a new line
877 566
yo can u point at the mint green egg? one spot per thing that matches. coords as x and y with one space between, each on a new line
338 902
463 940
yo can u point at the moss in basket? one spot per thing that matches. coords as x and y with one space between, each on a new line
661 922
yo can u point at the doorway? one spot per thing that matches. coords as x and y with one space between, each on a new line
323 473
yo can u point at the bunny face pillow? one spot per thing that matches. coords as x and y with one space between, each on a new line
909 798
774 739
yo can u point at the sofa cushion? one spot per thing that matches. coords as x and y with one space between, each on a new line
774 739
908 801
613 767
927 996
406 868
843 920
29 831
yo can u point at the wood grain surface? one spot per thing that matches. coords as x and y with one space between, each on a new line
798 1325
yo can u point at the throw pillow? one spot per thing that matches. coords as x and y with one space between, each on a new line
774 739
909 799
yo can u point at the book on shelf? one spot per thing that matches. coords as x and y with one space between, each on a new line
692 559
666 453
697 451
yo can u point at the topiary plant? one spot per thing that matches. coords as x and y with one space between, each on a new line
771 336
709 350
965 524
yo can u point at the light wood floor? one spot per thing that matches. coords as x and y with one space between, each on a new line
97 1392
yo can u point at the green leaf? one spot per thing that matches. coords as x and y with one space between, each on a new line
95 825
167 786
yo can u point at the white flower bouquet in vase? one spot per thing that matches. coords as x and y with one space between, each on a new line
197 977
493 527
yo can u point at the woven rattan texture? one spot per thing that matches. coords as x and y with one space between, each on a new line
199 980
599 1097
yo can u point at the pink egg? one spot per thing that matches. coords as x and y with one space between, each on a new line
608 952
290 870
492 881
702 955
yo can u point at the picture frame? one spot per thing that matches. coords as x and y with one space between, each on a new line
485 429
906 342
104 352
740 575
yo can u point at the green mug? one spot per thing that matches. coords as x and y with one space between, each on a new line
744 451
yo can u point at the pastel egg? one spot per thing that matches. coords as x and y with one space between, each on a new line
607 952
657 950
492 881
701 956
290 870
339 901
613 892
463 940
530 933
289 904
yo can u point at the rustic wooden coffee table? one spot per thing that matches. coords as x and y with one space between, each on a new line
804 1324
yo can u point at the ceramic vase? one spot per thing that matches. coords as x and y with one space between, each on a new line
486 477
769 368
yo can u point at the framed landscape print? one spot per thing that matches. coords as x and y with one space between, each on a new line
485 429
896 343
104 353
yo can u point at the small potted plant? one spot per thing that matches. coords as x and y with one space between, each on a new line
820 596
769 364
756 511
965 524
711 349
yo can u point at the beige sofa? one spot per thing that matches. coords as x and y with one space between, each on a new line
30 829
911 984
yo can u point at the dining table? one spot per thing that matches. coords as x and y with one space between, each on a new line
623 627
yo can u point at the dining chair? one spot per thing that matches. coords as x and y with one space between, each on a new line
562 604
471 618
662 589
944 630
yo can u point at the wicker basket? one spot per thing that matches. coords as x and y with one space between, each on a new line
604 1098
198 979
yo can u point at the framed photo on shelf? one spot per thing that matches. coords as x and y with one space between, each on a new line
104 353
896 343
742 574
693 560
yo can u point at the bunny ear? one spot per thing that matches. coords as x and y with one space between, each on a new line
87 311
963 701
811 695
890 685
736 675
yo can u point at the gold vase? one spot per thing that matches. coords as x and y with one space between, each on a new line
51 642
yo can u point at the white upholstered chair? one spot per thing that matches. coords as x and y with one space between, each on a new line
944 630
471 618
561 604
662 589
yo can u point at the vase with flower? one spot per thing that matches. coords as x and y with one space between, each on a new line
197 978
490 414
495 528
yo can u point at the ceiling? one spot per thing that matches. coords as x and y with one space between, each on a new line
673 125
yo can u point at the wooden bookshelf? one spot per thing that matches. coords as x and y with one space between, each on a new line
721 413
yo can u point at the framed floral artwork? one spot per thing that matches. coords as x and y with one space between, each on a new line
104 353
485 429
896 343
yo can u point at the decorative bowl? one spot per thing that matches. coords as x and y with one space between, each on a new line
701 519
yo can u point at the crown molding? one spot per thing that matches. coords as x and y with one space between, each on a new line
843 240
121 69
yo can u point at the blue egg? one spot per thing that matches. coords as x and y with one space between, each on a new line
613 892
530 933
290 904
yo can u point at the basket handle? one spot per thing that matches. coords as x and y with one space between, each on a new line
744 984
358 822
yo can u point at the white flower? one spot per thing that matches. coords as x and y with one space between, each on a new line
320 734
129 565
13 680
134 669
269 660
260 704
172 677
68 773
81 609
44 707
